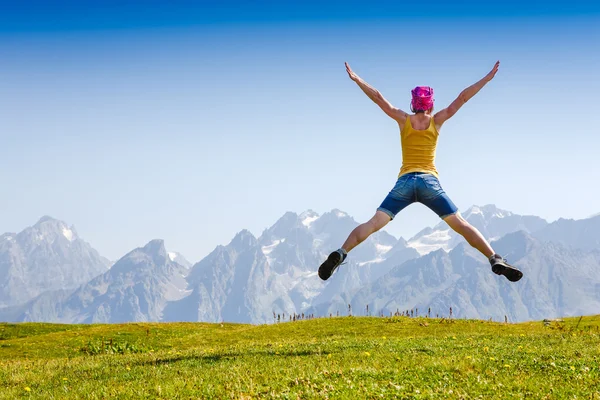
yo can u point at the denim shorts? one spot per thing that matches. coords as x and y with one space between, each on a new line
418 187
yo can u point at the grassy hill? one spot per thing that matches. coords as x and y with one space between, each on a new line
345 357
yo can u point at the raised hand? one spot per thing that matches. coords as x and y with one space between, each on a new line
377 97
492 73
351 73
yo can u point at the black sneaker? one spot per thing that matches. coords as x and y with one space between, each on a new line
334 260
501 267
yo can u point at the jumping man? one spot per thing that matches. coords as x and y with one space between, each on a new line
418 178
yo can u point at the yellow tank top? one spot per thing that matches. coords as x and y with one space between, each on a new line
418 148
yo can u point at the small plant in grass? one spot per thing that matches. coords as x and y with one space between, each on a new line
109 346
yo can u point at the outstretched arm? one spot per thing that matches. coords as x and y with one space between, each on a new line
447 113
377 97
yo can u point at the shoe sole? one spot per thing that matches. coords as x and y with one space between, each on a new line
512 274
328 267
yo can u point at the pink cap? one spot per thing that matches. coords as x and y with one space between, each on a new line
422 98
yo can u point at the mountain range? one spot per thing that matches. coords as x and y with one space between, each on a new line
47 273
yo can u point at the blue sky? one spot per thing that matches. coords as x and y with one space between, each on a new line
191 121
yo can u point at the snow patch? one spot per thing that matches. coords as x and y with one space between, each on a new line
502 214
172 256
309 220
340 214
67 233
436 240
375 261
10 238
381 249
266 250
475 210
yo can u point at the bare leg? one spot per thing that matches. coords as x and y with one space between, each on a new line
470 233
363 231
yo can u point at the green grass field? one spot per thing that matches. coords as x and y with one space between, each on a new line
345 357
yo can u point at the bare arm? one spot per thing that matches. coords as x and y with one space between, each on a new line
447 113
377 97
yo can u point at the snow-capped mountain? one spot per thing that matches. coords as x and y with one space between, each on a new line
136 288
179 259
47 256
232 283
492 222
